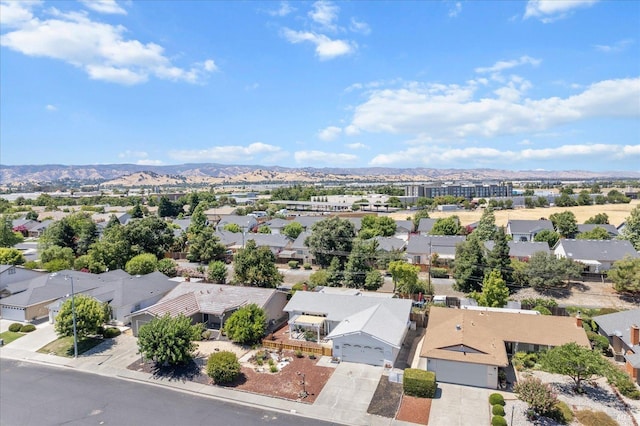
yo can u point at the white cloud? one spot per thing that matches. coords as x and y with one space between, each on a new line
255 152
100 49
326 48
504 65
455 9
331 158
552 10
618 46
149 162
359 27
284 9
434 155
14 13
51 108
525 142
451 112
104 6
325 13
357 145
133 154
330 133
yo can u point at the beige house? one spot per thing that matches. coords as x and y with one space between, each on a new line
468 346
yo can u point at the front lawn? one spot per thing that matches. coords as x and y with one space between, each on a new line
10 336
64 346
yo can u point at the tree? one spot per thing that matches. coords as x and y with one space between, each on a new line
420 214
446 226
599 219
247 325
494 291
486 226
31 215
631 230
8 238
373 280
166 208
547 236
169 340
142 264
334 273
205 246
565 224
256 266
498 258
76 231
217 272
149 235
292 230
198 218
264 229
223 367
625 275
545 270
565 200
597 233
55 253
136 212
232 227
360 262
89 314
469 266
168 267
11 256
573 360
539 396
404 276
318 278
372 226
584 198
332 237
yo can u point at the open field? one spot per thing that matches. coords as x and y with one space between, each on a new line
617 213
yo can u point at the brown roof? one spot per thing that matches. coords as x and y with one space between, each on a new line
185 304
479 336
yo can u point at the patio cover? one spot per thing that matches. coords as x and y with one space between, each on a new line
310 320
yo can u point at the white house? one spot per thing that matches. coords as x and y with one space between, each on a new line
597 255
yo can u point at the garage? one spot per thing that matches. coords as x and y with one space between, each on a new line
13 313
364 354
463 373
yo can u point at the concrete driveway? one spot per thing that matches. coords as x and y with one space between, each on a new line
457 405
347 394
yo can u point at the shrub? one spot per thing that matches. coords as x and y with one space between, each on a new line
100 330
271 362
561 413
293 264
439 273
111 332
223 367
299 353
15 327
306 266
273 368
259 362
419 383
497 410
27 328
595 418
598 342
312 356
542 309
498 421
496 399
538 395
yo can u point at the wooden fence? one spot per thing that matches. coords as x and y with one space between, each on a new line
302 346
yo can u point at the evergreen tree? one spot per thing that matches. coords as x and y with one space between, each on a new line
494 291
498 258
169 340
631 229
256 266
332 237
359 263
469 266
486 226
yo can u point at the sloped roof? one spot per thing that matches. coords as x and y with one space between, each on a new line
425 224
308 221
244 222
277 223
522 248
298 244
268 240
521 226
404 226
420 243
50 287
483 334
377 321
186 304
601 250
390 243
586 227
619 324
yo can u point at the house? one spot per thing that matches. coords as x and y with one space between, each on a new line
469 346
421 247
526 230
246 223
587 227
307 222
362 329
10 274
404 229
522 250
275 242
597 256
276 225
37 230
623 331
390 244
297 250
211 304
425 225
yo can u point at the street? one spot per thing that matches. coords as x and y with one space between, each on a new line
33 394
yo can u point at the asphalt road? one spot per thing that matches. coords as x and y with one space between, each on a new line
32 394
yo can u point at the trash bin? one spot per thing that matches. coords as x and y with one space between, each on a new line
1 342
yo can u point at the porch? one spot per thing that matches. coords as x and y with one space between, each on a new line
282 339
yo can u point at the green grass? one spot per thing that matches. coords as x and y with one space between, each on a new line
10 336
64 346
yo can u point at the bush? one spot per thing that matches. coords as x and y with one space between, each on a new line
299 354
595 418
169 267
273 368
27 328
598 342
439 273
498 421
293 264
306 266
15 327
542 309
538 395
111 332
312 356
223 367
497 410
419 383
561 413
496 399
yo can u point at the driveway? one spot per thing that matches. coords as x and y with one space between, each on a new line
347 394
456 405
43 334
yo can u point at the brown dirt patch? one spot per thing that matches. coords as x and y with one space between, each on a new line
386 398
414 410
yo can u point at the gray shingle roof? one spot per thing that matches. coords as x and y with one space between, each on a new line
601 250
586 227
425 225
522 248
390 243
420 243
619 324
519 226
377 321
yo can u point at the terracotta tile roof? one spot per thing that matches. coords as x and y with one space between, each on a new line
483 334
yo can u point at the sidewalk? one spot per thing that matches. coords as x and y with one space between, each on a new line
112 357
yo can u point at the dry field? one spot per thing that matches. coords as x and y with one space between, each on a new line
617 213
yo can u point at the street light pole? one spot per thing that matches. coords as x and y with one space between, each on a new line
73 314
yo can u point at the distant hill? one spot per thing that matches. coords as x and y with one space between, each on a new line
210 173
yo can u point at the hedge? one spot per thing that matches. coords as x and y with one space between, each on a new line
111 332
498 421
419 383
497 410
496 398
223 367
439 273
15 327
27 328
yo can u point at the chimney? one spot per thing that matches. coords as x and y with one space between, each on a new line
635 335
305 287
578 320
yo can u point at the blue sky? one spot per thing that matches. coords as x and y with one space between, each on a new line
518 85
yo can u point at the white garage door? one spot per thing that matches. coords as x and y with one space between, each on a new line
459 372
364 354
12 313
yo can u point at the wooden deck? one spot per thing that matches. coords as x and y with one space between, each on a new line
281 340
